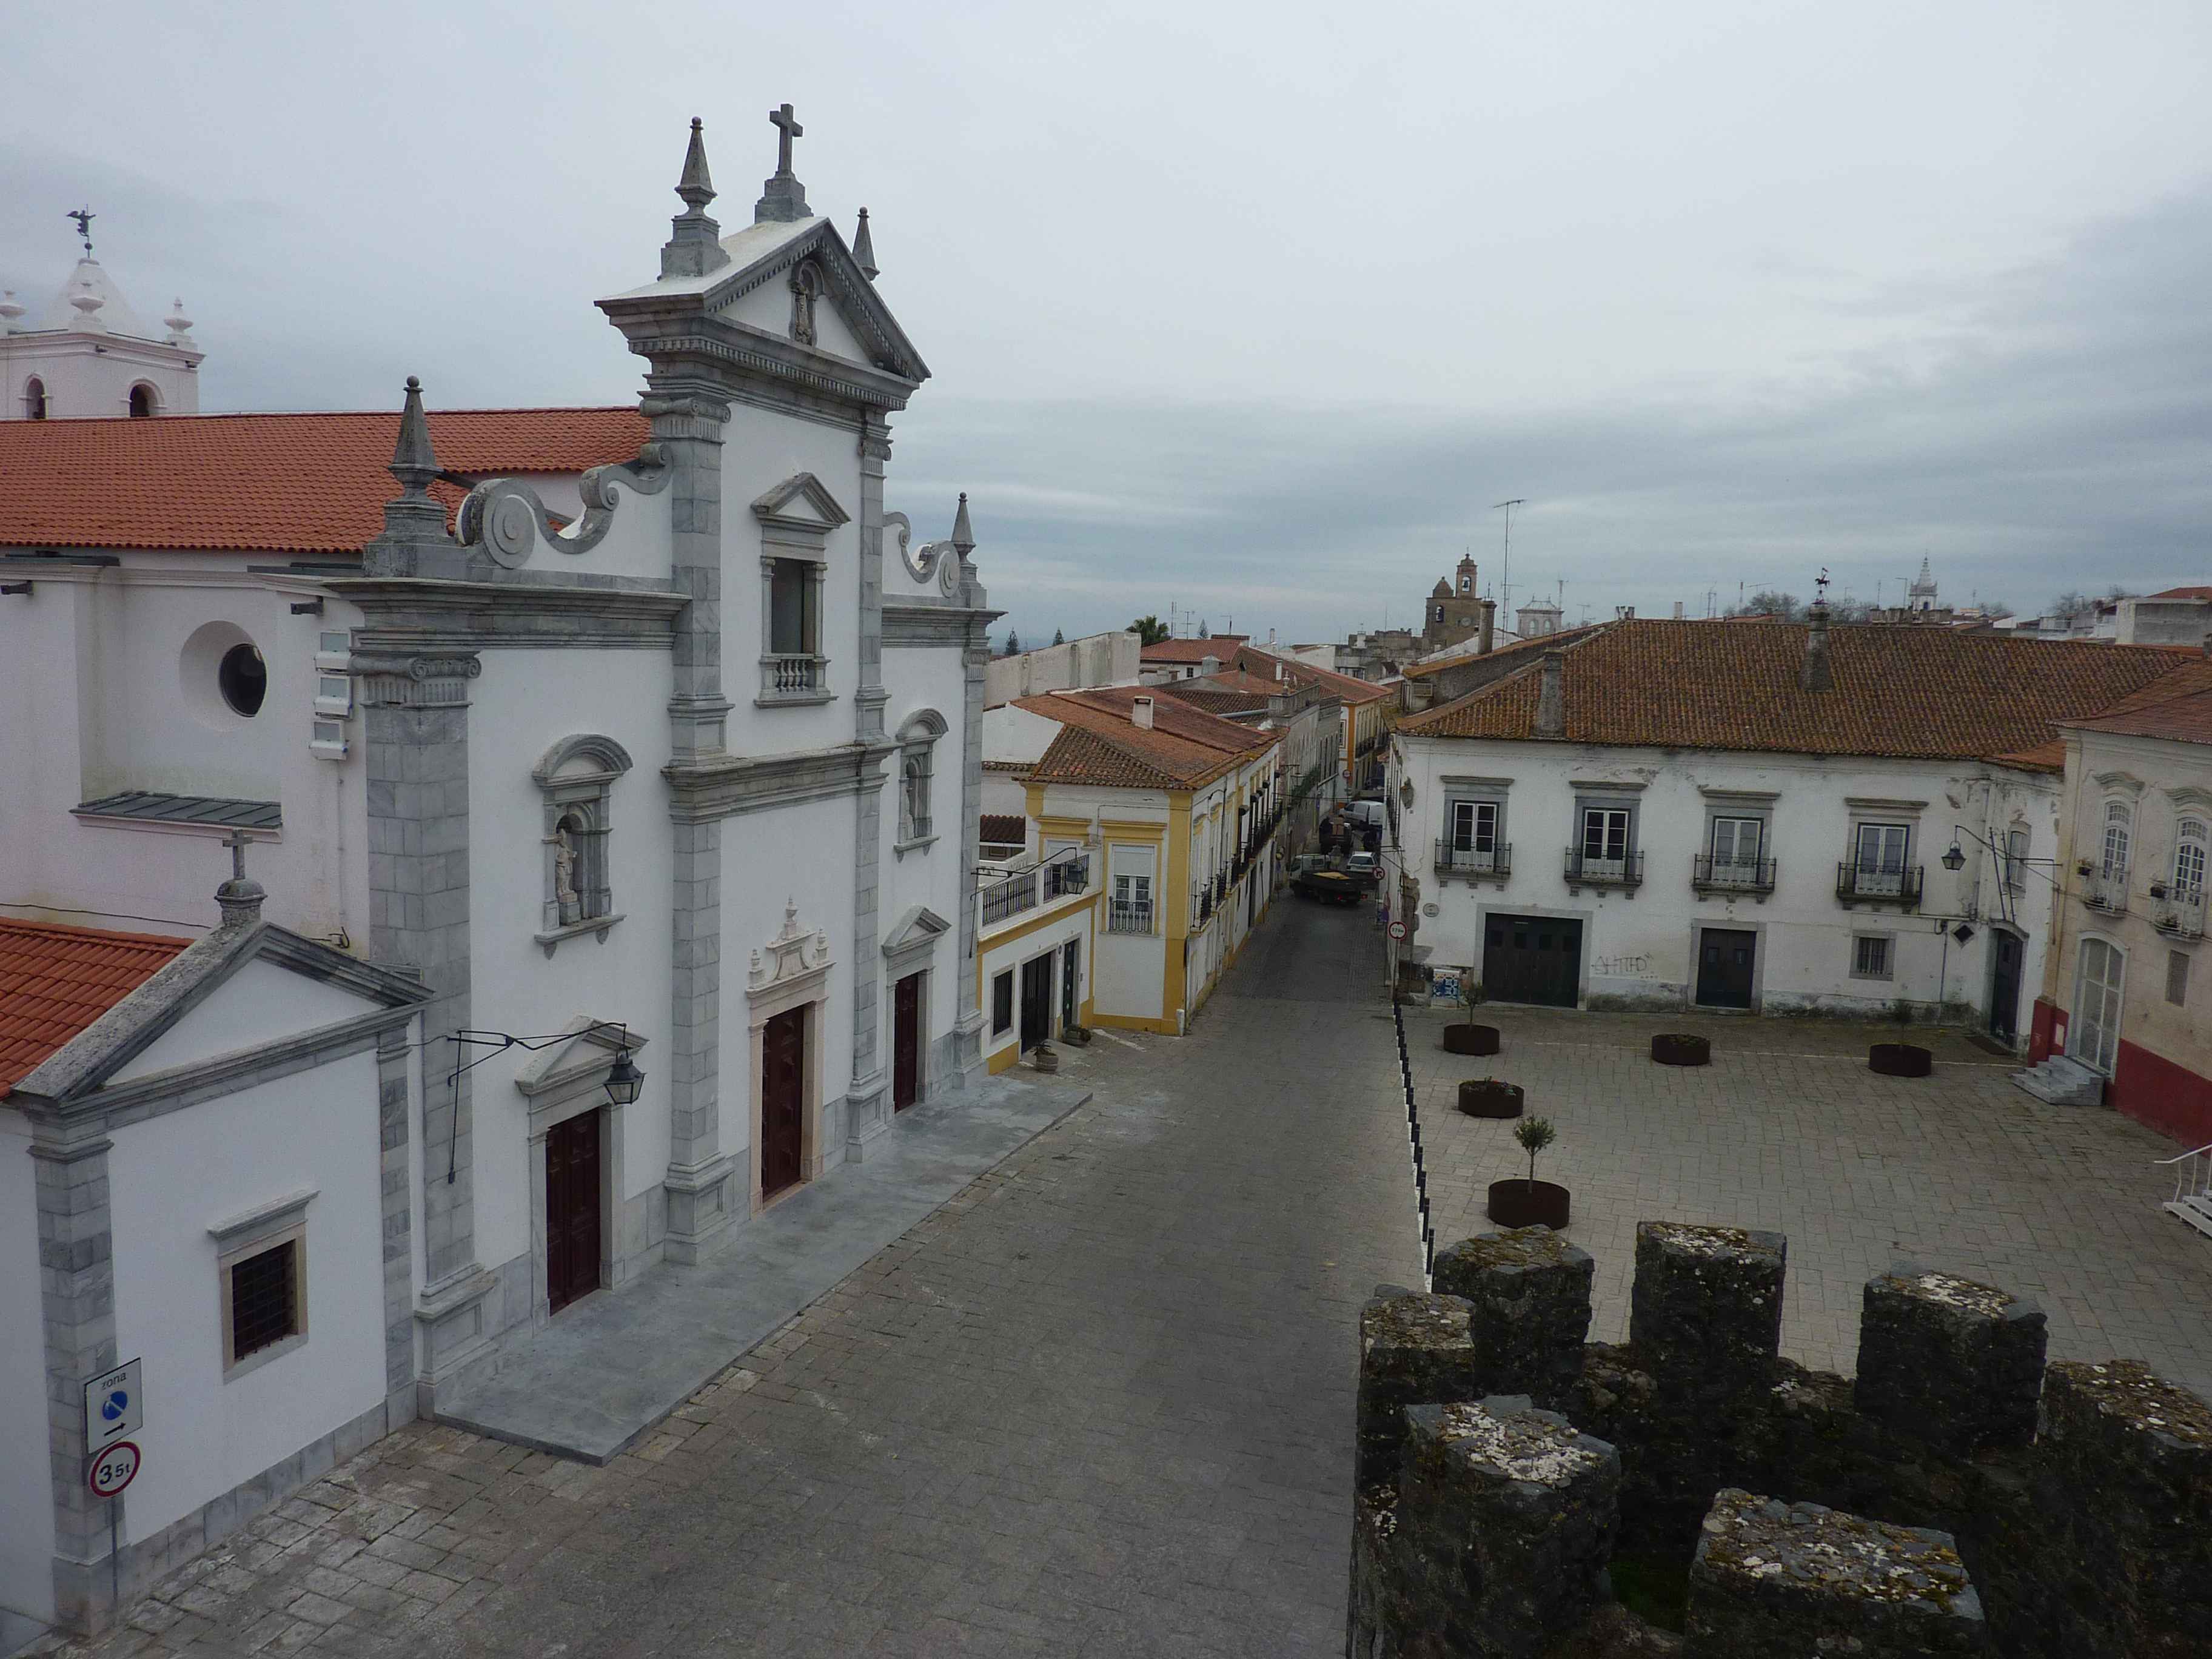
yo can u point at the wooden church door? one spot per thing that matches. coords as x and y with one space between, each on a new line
572 1209
783 1100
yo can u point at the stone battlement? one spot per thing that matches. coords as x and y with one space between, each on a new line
1958 1496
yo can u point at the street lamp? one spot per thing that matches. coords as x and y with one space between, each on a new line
1955 859
624 1081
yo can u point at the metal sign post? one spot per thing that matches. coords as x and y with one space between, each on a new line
114 1409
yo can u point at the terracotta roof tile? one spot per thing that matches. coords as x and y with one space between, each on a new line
310 484
1352 690
1004 829
1902 692
2177 705
2182 593
1223 645
55 981
1098 743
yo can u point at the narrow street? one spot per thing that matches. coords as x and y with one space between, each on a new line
1100 1403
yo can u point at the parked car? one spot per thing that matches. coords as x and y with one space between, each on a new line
1317 877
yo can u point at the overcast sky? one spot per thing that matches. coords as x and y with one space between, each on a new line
1256 308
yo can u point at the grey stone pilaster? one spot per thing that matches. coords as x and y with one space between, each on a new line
688 426
866 1115
968 1027
393 1130
416 725
78 1282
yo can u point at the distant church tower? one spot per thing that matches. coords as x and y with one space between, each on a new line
89 354
1454 609
1920 595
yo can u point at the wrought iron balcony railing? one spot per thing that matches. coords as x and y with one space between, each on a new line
2180 914
1591 870
2105 890
1494 860
1021 890
1128 916
1868 884
1710 875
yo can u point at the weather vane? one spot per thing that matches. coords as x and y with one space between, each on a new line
84 217
1820 583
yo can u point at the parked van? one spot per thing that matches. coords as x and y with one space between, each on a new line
1367 814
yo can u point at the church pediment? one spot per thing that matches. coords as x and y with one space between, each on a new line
801 501
808 289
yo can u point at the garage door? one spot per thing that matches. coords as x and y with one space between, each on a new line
1531 959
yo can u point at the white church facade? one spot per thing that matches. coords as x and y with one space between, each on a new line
615 800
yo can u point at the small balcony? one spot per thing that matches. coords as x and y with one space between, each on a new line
1586 869
1898 885
2106 891
1128 916
794 677
2180 914
1022 890
1710 875
1493 862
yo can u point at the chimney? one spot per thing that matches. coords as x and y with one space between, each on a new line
1552 697
1678 610
1815 676
1210 665
1489 637
1141 712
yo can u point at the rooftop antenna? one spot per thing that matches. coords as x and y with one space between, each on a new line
1506 580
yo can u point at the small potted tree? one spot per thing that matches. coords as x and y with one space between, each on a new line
1529 1203
1465 1036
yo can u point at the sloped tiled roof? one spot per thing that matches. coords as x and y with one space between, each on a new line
1004 829
1518 650
1099 743
1899 692
55 981
2182 593
2176 705
310 484
1214 699
1262 662
1223 645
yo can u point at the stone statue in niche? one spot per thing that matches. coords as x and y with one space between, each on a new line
564 875
805 290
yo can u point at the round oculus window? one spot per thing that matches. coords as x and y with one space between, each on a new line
243 678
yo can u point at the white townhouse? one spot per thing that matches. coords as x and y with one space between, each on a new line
615 792
1668 815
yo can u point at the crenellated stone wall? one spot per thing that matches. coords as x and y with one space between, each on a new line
1958 1497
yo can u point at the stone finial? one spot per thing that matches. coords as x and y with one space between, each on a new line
181 327
864 248
239 898
10 309
783 198
414 520
964 533
693 247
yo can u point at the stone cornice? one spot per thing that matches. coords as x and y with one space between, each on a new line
925 622
705 788
728 354
404 614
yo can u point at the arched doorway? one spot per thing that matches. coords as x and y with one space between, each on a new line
34 399
144 401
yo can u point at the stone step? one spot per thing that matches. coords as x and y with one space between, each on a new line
2062 1082
2196 1209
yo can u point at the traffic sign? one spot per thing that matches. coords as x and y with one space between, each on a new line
113 1469
114 1407
1397 930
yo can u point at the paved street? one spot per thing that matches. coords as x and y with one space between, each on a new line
1788 1129
1100 1403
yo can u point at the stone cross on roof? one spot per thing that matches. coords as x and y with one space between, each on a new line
790 130
239 898
783 198
238 840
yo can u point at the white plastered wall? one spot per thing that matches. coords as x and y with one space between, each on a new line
172 1177
1011 948
26 1509
523 703
260 1003
926 677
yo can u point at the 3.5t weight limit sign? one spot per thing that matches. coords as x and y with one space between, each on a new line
113 1469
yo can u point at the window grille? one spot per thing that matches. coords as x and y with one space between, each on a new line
264 1299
